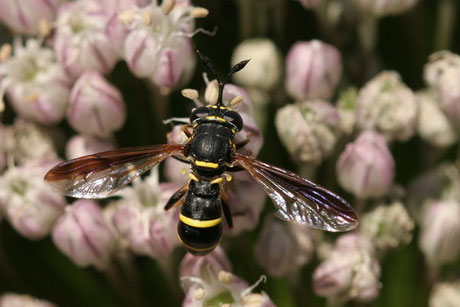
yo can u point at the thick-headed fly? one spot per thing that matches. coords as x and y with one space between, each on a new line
211 152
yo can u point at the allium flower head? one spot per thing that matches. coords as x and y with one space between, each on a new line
387 105
366 167
29 204
387 226
82 145
445 294
83 235
24 76
24 16
80 41
141 220
350 272
308 129
313 70
158 44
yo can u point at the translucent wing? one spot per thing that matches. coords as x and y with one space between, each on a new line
298 199
102 174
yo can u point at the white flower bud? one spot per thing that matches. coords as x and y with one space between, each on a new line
80 41
440 232
309 130
382 8
24 16
31 69
283 248
22 300
83 235
366 167
387 226
442 73
96 107
82 145
313 70
350 272
433 125
264 69
445 294
387 105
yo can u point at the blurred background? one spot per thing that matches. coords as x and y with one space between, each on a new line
355 95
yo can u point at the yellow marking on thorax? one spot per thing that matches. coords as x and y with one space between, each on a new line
221 107
199 223
217 180
206 164
193 177
216 117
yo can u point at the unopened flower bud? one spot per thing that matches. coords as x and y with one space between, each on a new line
278 249
387 105
445 294
346 106
366 167
264 69
26 74
83 235
387 226
82 145
442 73
350 272
313 70
433 125
23 17
22 300
440 232
96 107
309 130
384 7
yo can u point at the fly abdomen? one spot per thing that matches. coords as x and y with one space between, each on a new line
200 225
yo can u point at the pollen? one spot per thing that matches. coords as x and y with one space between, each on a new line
5 52
199 12
147 17
32 97
226 277
168 6
199 294
127 17
236 100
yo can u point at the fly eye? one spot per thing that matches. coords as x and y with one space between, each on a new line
234 118
199 113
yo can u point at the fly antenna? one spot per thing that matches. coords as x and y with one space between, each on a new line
206 61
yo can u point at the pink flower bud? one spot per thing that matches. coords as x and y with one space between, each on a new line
264 69
366 167
30 205
387 105
83 235
350 272
309 130
384 7
442 74
313 70
80 41
96 107
24 16
433 125
283 248
31 69
440 232
22 300
82 145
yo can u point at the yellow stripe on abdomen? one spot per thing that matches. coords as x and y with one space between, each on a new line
199 223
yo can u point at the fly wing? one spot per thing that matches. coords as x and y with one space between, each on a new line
102 174
298 199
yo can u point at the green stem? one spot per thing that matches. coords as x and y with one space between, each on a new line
445 23
367 32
